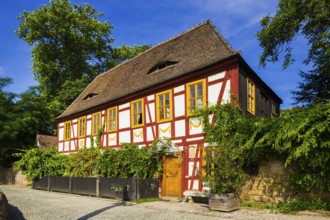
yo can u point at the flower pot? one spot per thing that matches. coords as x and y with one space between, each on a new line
226 202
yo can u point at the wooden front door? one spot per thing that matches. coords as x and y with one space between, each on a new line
172 177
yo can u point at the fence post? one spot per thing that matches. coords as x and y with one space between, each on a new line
98 194
48 183
70 184
135 187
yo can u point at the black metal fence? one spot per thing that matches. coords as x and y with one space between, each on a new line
119 188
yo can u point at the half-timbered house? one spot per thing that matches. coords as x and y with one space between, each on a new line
154 94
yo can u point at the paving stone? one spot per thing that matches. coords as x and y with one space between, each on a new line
26 203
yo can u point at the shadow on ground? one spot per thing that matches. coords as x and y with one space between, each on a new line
13 213
95 213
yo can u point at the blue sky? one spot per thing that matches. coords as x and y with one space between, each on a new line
138 22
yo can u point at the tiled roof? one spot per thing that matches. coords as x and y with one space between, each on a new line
46 141
192 50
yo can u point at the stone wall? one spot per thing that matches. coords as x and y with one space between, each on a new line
10 176
7 176
270 185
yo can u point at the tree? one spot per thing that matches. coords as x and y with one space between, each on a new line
22 117
311 19
69 43
70 47
7 136
125 53
32 117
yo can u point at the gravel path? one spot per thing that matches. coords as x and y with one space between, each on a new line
26 203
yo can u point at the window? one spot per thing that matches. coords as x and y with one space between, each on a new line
196 96
164 106
112 119
82 127
96 123
162 65
90 95
251 94
137 112
67 130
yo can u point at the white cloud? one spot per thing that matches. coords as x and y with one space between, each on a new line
235 15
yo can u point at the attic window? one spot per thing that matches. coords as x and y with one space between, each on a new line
90 95
162 65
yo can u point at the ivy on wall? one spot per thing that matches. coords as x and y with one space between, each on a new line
300 137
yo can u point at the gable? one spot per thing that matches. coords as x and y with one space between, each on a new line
192 50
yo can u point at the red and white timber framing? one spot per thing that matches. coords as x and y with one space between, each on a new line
184 131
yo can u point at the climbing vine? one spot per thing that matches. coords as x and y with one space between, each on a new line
227 131
300 137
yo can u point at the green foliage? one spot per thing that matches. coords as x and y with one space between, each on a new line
292 206
258 145
7 102
34 117
127 161
69 91
124 53
302 205
21 118
36 163
229 132
70 47
89 162
140 201
304 140
99 136
69 43
299 137
83 162
256 205
108 163
310 19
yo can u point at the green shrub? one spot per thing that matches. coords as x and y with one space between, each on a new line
36 163
299 137
302 205
83 162
127 161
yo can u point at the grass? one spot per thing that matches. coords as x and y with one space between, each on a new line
302 205
296 205
139 201
256 205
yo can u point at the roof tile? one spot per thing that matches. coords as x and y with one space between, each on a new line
194 49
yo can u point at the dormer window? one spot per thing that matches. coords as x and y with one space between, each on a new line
162 65
90 95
